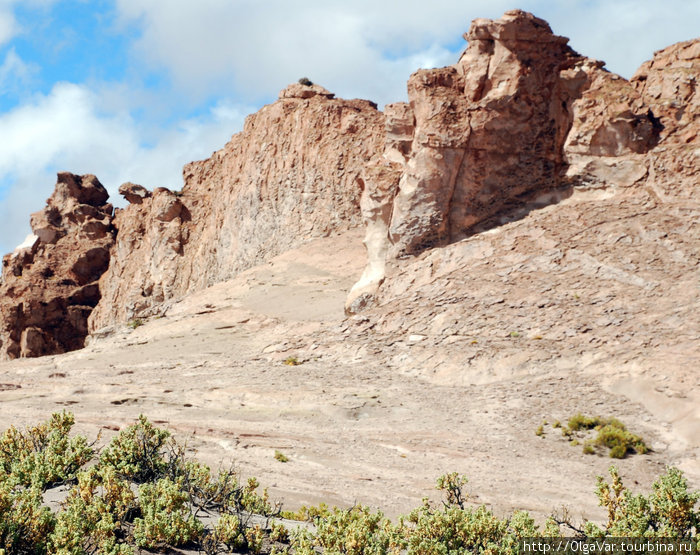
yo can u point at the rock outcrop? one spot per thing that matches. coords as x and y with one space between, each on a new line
670 85
517 122
49 282
487 131
289 176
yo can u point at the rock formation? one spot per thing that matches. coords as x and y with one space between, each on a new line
488 130
518 121
49 282
670 85
290 175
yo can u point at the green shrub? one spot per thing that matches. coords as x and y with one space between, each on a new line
103 515
354 531
450 530
135 323
308 514
166 516
580 422
668 512
452 485
228 530
612 434
94 514
24 523
137 452
615 437
279 533
43 455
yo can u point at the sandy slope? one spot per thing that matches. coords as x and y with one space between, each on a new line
363 419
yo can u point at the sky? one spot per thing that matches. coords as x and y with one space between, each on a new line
131 90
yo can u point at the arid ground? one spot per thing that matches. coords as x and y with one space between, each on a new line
363 420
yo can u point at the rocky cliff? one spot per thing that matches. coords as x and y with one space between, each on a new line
521 121
599 260
520 117
49 284
289 176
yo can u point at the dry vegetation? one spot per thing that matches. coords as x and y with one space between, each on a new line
142 491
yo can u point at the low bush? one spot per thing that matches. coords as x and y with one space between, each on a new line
668 512
137 453
143 492
611 434
43 455
615 437
166 516
354 531
94 514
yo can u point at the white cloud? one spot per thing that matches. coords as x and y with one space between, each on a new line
15 74
8 25
368 47
624 33
67 130
362 48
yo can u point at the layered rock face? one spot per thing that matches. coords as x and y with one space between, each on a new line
487 131
670 85
290 175
521 118
49 282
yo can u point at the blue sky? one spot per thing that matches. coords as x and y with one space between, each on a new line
130 90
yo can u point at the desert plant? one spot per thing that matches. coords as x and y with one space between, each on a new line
453 486
166 517
279 533
450 530
308 514
615 437
24 523
668 512
103 515
580 422
353 531
94 515
137 452
43 455
611 434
